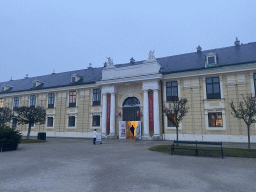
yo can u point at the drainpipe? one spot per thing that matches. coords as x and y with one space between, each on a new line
162 103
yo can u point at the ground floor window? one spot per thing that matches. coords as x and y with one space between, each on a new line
170 123
49 121
14 123
71 121
96 121
215 119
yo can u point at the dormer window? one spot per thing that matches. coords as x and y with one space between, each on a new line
211 60
36 83
5 87
75 78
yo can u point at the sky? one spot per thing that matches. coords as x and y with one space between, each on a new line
41 36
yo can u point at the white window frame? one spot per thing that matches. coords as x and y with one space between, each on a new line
47 121
91 117
223 119
221 87
71 114
53 102
30 100
76 98
13 102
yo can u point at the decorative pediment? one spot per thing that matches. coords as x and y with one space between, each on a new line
148 67
75 78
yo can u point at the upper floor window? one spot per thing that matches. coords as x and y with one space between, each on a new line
32 100
172 91
254 76
51 100
96 96
16 102
213 88
72 98
215 119
1 103
211 60
73 79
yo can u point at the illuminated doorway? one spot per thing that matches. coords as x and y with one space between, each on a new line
129 124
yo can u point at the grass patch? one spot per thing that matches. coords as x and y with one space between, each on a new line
228 152
32 141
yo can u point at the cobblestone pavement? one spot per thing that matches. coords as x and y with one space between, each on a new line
68 164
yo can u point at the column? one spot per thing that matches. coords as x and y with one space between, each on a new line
104 114
156 113
112 115
146 117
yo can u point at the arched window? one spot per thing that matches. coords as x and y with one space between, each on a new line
131 109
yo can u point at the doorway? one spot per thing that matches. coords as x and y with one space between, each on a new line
129 124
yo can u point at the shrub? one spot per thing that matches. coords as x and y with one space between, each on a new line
9 135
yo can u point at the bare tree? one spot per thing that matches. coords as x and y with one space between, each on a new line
30 116
175 112
5 115
246 111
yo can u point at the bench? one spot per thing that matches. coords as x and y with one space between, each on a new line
195 146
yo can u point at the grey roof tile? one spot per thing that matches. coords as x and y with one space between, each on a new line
245 53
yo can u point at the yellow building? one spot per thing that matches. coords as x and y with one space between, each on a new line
134 93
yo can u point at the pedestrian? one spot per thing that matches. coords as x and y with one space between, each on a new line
132 130
94 135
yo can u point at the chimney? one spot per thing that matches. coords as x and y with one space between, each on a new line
132 61
199 49
26 76
237 42
90 66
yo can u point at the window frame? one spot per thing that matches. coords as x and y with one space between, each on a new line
69 122
72 99
215 114
16 102
73 79
1 102
169 85
47 125
32 98
96 120
51 100
96 97
212 83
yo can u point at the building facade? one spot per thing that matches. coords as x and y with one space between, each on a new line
135 93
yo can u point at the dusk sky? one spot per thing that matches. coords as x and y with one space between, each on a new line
39 36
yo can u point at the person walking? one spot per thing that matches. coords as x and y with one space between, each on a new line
94 135
132 130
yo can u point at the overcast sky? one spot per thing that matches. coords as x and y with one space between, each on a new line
39 36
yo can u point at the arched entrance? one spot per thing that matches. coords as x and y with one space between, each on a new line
131 114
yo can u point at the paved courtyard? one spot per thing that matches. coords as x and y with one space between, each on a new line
63 164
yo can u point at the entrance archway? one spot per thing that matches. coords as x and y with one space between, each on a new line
131 109
131 114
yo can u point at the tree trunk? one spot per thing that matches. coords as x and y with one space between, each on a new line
249 143
177 133
29 129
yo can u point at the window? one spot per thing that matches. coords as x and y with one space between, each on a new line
14 123
71 121
73 79
96 121
1 103
213 88
172 91
215 119
72 98
211 60
34 84
32 101
15 102
96 96
254 76
49 121
170 124
51 100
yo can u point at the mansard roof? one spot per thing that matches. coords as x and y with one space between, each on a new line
228 56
